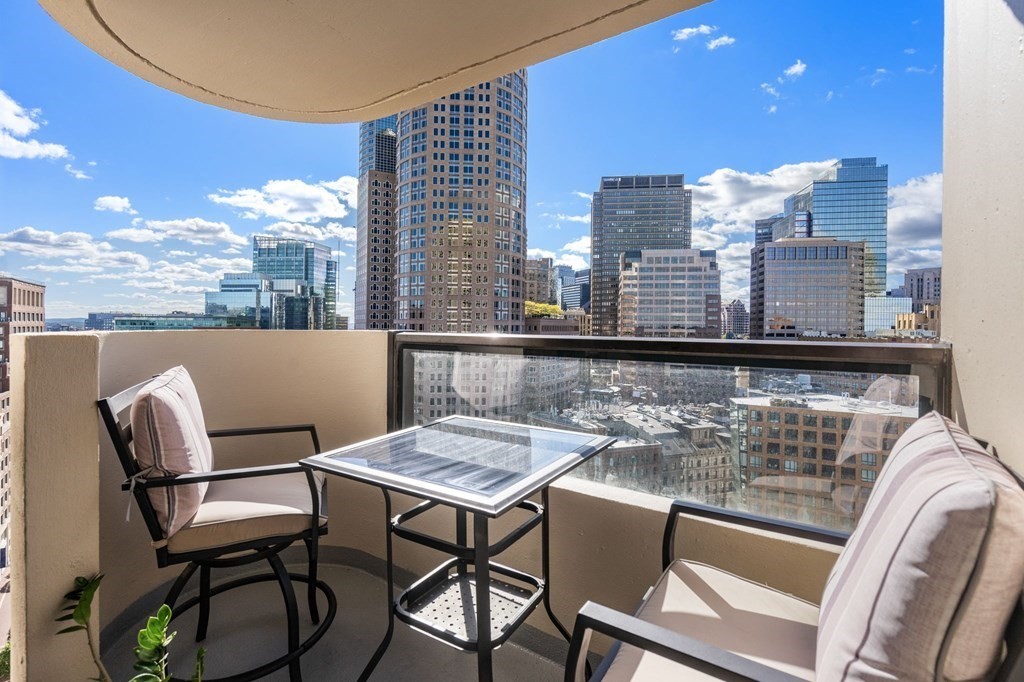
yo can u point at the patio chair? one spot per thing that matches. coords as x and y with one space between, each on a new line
927 587
210 519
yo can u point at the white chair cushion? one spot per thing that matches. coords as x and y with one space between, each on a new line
729 612
244 509
925 586
169 438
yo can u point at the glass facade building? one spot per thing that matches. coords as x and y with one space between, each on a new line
880 313
807 287
460 225
377 145
635 213
849 201
244 297
303 270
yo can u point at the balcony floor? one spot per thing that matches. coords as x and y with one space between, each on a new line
248 622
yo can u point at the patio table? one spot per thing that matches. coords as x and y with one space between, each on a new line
478 467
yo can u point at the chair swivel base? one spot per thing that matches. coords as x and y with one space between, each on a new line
292 656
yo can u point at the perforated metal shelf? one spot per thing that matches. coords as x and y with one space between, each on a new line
444 603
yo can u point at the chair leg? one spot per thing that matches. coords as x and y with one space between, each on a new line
179 584
294 669
312 549
204 603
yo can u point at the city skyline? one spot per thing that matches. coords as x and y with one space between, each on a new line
141 199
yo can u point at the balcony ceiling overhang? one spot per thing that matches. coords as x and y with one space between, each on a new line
333 61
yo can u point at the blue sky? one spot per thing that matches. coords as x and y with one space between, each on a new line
122 196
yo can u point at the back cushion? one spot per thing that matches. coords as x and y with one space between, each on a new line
169 436
925 586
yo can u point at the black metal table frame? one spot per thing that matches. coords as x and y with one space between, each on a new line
479 555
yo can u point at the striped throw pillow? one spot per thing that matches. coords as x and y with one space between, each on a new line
169 437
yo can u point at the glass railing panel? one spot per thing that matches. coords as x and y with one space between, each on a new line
804 445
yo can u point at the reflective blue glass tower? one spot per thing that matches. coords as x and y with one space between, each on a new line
849 201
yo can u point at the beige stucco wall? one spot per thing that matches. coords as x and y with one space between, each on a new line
55 527
605 541
983 216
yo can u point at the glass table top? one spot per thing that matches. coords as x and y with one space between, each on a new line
467 462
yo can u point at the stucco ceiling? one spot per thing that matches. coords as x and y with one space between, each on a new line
339 60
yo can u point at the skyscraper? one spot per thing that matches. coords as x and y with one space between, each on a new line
685 301
540 281
460 231
924 286
633 213
849 201
735 319
305 276
374 286
809 286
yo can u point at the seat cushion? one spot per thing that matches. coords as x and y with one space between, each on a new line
169 438
245 509
925 586
729 612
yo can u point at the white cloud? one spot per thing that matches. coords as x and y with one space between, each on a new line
573 261
687 33
539 253
76 173
880 75
829 96
114 204
325 233
16 124
796 70
772 108
583 195
350 268
563 217
918 69
915 212
180 254
770 89
91 163
191 230
910 50
48 267
728 201
293 200
75 248
721 41
581 245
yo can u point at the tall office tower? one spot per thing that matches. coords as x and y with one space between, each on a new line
807 287
563 276
924 286
540 281
373 291
460 251
632 214
881 312
849 201
763 229
304 275
685 301
735 319
246 298
22 310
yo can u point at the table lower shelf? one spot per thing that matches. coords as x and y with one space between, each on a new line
444 603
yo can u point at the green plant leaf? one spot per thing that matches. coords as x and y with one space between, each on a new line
164 615
146 677
66 616
197 676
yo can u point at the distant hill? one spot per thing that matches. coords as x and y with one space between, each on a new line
76 322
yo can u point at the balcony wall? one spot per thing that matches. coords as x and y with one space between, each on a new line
982 215
71 513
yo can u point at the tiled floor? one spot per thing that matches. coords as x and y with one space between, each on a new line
247 627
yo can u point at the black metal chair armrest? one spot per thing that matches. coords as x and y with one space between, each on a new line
263 430
704 511
699 656
223 475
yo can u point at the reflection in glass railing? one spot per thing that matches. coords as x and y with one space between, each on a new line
800 445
